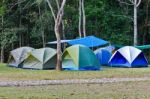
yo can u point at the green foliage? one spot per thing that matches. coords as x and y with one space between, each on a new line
2 10
7 37
39 1
107 19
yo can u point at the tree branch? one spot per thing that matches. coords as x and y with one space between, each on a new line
58 6
125 2
60 13
50 6
139 2
17 4
131 1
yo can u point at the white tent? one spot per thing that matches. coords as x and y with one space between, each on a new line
17 56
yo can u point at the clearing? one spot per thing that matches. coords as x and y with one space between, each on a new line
13 74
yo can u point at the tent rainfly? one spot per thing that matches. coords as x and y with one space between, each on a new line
89 41
128 56
103 55
44 58
17 56
79 57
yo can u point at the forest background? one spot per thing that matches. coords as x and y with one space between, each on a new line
31 23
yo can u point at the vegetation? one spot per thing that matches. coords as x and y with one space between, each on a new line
126 90
31 22
11 74
35 22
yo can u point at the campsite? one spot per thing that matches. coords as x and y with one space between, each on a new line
74 49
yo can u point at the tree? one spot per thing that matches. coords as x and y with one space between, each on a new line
80 16
33 24
82 19
145 24
2 12
136 4
58 21
7 35
41 25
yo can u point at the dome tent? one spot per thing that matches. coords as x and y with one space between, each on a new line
103 55
128 56
79 57
17 56
43 58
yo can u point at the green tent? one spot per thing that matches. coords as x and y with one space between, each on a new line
17 56
79 57
44 58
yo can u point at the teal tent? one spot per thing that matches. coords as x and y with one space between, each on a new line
79 57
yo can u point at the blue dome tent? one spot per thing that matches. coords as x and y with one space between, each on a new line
128 56
103 55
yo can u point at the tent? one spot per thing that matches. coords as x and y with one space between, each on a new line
128 56
110 48
103 55
89 41
44 58
79 57
17 56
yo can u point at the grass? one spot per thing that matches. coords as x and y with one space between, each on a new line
124 90
9 73
121 90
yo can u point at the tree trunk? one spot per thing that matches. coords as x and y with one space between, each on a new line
84 19
2 54
59 59
63 34
58 20
63 29
12 46
42 30
135 3
20 34
80 16
146 22
43 38
62 25
20 40
58 37
2 48
135 24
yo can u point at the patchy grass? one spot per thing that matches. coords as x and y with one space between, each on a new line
124 90
9 73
